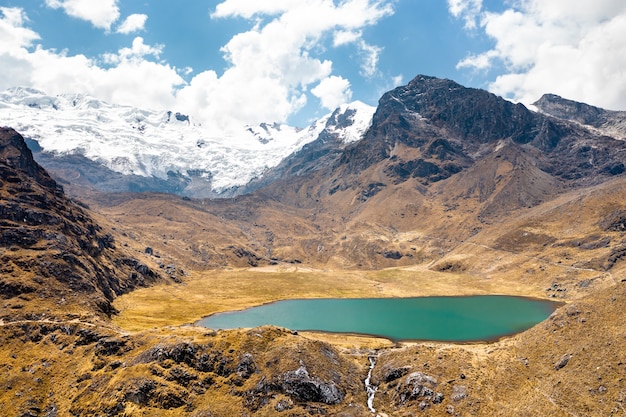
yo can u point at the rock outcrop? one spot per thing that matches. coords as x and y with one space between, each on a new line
50 247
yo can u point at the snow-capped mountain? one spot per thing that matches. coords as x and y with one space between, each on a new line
162 144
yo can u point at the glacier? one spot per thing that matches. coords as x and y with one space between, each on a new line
150 143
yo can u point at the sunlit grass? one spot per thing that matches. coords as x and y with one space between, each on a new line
208 292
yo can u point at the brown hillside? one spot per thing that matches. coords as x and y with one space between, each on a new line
53 254
452 191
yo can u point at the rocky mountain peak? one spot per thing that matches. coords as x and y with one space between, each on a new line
433 130
15 154
562 108
607 122
468 113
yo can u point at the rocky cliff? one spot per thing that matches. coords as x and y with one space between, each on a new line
50 246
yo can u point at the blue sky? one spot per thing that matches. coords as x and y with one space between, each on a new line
240 61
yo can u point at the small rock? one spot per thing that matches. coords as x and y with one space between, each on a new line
303 387
283 405
246 366
459 392
562 362
395 373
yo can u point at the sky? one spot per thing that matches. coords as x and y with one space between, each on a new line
233 62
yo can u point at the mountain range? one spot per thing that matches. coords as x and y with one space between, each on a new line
121 148
441 190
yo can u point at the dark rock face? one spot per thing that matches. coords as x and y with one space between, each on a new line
15 155
417 387
304 388
298 385
54 247
395 373
469 114
246 366
432 129
608 121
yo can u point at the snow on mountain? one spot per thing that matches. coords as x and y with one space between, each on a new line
350 121
148 143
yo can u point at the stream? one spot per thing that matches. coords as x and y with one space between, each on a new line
371 389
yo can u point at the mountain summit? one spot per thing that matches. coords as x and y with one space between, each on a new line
446 128
122 148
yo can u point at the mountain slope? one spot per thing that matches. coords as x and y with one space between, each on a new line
422 177
436 131
452 126
51 248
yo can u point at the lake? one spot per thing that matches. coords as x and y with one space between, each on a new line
453 319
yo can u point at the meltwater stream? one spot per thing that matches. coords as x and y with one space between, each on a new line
371 389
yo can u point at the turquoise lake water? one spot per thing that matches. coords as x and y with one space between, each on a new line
455 319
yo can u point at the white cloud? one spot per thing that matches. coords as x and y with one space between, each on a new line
333 92
272 65
344 37
127 77
574 48
468 10
133 23
139 50
14 39
13 34
100 13
248 9
370 55
271 68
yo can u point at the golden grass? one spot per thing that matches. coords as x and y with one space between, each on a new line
209 292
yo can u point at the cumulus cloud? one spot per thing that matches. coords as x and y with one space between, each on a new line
344 37
137 51
272 70
272 65
13 33
133 23
574 48
333 92
101 13
126 77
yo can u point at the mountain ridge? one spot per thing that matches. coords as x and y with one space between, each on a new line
435 132
162 151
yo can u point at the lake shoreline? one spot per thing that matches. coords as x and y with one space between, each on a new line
461 324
